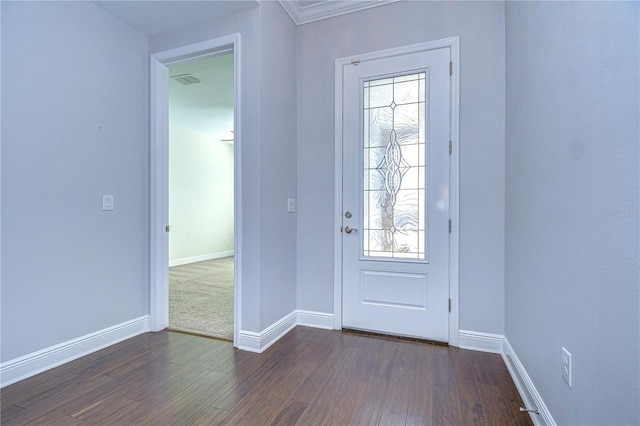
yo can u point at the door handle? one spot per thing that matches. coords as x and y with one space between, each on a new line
349 229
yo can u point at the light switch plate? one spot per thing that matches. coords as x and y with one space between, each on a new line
107 202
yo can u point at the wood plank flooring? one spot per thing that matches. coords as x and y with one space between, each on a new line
309 377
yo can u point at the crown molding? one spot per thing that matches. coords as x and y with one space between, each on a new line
327 9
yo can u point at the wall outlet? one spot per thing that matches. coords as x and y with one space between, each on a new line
566 366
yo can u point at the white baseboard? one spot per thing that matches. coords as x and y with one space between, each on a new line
526 388
496 343
478 341
200 258
314 319
31 364
258 342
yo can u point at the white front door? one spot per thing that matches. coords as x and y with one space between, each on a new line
396 132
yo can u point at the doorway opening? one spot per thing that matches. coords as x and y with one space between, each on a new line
201 196
195 185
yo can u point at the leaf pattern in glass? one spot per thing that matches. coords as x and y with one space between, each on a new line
394 167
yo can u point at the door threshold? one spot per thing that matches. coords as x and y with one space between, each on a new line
195 333
394 337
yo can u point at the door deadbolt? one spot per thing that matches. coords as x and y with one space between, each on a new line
348 215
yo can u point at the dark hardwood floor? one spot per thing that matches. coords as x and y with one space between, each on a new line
308 377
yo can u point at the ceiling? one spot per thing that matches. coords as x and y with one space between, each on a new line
152 17
206 107
156 16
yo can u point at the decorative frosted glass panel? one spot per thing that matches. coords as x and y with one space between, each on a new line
394 178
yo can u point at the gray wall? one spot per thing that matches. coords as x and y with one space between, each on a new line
480 26
278 162
572 204
74 127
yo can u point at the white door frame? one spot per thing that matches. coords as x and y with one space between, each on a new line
159 161
453 44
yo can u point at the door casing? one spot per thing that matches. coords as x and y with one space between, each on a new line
159 161
453 44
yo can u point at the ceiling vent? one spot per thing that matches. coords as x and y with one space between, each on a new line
186 79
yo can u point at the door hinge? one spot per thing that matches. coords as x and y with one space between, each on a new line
449 305
449 225
450 68
450 147
166 228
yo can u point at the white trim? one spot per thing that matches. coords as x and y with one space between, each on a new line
159 211
453 43
483 342
31 364
258 342
314 319
326 9
454 195
200 258
337 201
526 388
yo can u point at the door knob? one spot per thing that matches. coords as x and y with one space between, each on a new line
349 229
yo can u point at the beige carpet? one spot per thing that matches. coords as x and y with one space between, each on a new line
201 297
